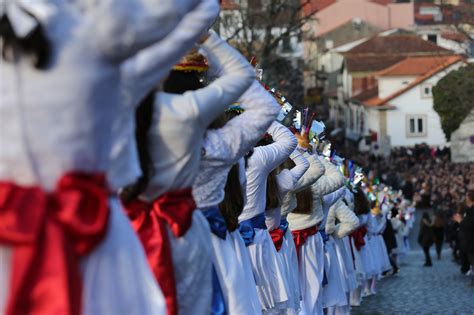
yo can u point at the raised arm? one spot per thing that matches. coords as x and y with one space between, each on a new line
348 221
120 28
331 181
235 77
229 143
315 171
287 178
272 155
147 68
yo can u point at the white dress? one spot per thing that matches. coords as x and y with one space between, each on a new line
334 292
266 264
224 147
286 181
38 103
323 178
176 140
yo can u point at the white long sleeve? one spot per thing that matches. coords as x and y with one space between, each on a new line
331 181
268 157
262 161
180 120
225 146
235 78
144 71
228 144
315 171
348 221
120 28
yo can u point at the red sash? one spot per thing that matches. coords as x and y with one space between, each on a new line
277 237
358 236
300 236
149 221
49 232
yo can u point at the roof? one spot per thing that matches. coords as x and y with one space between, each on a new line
397 44
229 5
377 102
316 5
371 63
416 66
367 94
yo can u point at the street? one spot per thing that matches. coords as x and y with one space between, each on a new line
441 289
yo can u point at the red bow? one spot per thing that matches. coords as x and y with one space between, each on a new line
358 236
277 237
174 209
300 236
49 232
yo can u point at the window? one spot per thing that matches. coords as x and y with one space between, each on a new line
416 126
426 90
433 38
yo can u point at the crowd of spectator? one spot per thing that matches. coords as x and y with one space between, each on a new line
428 178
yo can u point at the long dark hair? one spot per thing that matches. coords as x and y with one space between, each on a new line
304 201
35 45
233 204
361 203
143 120
179 82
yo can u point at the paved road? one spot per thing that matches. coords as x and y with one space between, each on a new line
441 289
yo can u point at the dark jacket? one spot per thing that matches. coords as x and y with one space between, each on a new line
466 232
426 236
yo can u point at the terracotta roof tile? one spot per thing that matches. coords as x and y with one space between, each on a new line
316 5
396 44
367 94
229 5
370 63
380 102
417 65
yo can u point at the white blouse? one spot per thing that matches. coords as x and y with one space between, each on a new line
286 181
142 73
58 120
331 181
315 171
224 147
262 161
348 221
180 120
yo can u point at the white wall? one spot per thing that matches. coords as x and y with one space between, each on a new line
390 85
412 103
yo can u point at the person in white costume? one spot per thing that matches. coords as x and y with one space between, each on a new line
266 264
225 142
39 92
180 116
348 222
286 181
311 252
145 71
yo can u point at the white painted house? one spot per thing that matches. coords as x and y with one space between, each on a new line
399 111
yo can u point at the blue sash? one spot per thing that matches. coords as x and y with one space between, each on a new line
216 221
325 239
246 228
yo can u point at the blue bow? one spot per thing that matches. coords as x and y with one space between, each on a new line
247 232
216 221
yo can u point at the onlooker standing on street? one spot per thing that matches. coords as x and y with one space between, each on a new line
438 231
426 237
466 231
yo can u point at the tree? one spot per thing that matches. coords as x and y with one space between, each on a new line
271 30
453 98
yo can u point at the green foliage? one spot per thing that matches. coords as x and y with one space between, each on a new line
454 98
